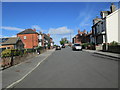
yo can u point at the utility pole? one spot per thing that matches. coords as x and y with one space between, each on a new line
70 38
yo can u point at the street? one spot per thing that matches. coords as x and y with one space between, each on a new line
73 69
63 44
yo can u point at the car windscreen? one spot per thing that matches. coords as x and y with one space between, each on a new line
77 44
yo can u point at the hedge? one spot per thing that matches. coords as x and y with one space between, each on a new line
7 52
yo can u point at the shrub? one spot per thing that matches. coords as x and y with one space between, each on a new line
49 45
39 48
30 50
114 43
6 53
84 45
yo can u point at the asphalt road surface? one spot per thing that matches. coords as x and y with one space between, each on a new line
73 69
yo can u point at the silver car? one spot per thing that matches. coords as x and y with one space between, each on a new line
77 46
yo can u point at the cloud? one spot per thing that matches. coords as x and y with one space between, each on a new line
60 30
85 21
57 38
86 11
36 27
2 36
69 37
85 16
12 28
14 36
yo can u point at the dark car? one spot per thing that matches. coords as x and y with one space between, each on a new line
63 46
58 48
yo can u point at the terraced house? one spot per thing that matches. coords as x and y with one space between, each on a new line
105 29
45 40
82 37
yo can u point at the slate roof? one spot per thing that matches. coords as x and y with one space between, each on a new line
28 31
10 40
46 37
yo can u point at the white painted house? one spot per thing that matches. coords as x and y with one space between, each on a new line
40 39
112 27
106 29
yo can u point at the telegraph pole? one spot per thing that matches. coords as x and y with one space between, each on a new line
70 37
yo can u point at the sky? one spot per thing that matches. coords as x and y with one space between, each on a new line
60 19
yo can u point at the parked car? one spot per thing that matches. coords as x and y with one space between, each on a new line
63 46
77 46
58 48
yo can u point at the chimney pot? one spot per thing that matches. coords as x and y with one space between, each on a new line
48 34
79 31
34 29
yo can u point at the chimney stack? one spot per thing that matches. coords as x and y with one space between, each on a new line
79 31
34 29
84 31
40 32
112 8
48 35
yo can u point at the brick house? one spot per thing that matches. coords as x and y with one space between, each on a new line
80 37
29 38
89 37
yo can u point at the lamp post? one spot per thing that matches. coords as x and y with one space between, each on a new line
106 35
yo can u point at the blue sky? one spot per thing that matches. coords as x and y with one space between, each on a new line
57 18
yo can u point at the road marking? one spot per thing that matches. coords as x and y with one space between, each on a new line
14 83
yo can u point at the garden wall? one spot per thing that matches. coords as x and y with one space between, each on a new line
114 49
6 61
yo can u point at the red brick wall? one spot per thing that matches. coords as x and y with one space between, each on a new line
43 40
31 40
77 39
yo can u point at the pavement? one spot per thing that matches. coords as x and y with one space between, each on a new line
15 74
115 56
71 69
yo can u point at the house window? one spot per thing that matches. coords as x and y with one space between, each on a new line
7 47
40 37
24 37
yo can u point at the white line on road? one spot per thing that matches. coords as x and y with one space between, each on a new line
11 85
